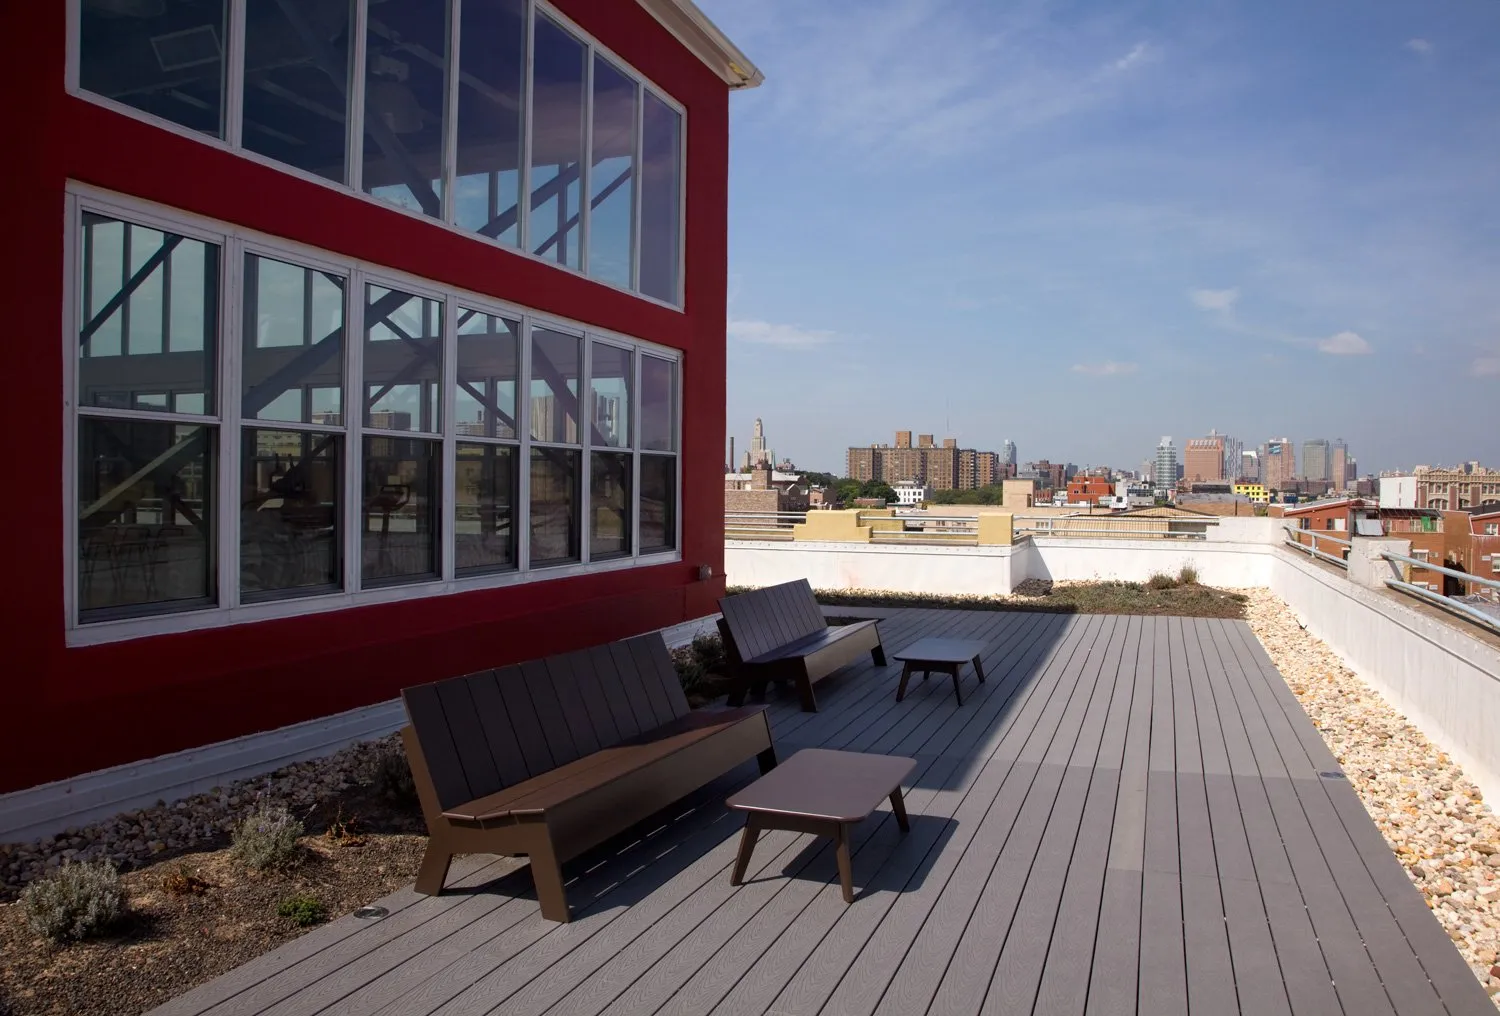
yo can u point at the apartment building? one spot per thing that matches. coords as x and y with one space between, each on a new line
941 467
1278 464
1203 458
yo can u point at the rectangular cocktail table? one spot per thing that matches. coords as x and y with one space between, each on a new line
944 656
821 792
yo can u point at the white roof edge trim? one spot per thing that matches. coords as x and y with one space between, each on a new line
691 27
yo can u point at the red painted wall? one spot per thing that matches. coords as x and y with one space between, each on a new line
69 711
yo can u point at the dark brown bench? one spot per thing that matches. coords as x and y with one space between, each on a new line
553 757
778 633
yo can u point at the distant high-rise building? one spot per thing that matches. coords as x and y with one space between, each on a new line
944 467
1278 464
1234 449
760 456
1338 465
1203 458
1008 452
1166 465
1249 466
1315 460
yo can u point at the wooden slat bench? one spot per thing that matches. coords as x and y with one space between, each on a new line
778 633
552 757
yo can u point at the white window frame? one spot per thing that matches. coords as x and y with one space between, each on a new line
232 120
234 243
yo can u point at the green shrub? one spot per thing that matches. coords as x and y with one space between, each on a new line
690 671
75 901
1188 576
267 836
1160 581
390 776
303 910
709 651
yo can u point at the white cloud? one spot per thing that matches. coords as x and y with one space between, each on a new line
1344 344
1485 366
766 333
1108 368
1215 299
1140 53
1421 47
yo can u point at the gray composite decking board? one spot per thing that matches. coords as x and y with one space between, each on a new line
1125 817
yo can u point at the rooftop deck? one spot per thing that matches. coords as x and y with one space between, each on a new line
1131 815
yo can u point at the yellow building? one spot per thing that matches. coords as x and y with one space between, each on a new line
1256 492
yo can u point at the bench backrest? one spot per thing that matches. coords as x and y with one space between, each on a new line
765 619
484 732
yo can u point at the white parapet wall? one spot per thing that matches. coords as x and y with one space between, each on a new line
979 571
1443 678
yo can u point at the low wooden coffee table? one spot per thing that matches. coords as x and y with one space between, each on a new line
821 792
943 656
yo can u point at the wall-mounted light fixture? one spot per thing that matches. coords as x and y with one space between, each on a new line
705 572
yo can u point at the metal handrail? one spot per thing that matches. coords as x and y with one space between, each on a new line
1047 525
1466 576
1312 549
1447 602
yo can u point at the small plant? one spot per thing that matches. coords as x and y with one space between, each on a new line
342 832
75 902
390 776
1188 576
267 836
302 909
184 883
690 671
1160 581
709 652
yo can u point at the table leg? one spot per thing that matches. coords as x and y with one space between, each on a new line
747 847
846 869
958 696
979 669
898 805
905 676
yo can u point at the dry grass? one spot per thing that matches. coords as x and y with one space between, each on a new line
1190 600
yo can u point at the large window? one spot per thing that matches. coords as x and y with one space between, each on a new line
450 110
257 424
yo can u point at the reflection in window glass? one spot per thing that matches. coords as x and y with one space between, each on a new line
554 386
661 168
485 403
658 404
296 78
170 342
290 535
399 533
610 381
146 539
403 357
554 506
484 534
611 180
556 142
492 52
609 505
405 66
658 503
293 343
166 59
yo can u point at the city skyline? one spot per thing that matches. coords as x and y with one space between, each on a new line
1083 227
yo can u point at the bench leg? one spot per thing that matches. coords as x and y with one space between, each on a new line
846 868
905 676
546 874
898 805
434 869
805 690
747 847
878 655
767 760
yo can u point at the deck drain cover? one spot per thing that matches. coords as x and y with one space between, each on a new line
1333 776
371 913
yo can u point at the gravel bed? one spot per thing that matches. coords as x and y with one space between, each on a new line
1434 818
137 838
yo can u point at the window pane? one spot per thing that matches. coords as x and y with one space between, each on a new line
611 381
554 386
146 541
658 503
406 63
293 343
609 505
164 58
166 354
611 183
554 506
658 404
488 348
403 360
296 80
290 513
492 56
401 498
484 518
556 142
661 167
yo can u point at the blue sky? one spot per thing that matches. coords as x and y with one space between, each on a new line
1082 226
